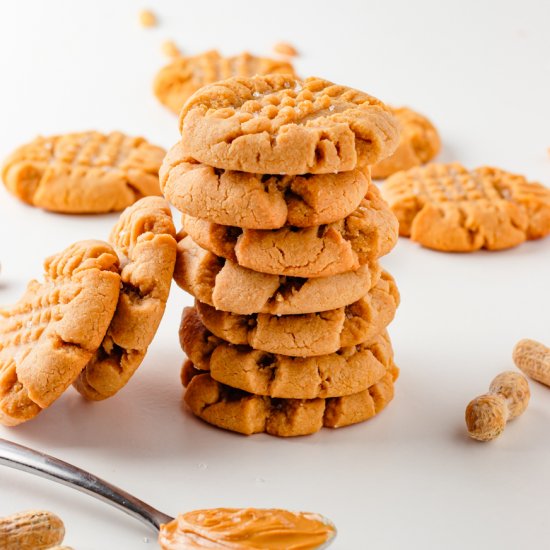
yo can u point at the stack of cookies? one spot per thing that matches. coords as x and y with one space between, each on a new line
282 232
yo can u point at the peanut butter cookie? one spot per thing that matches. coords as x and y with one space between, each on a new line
230 287
245 413
277 124
176 82
144 239
366 234
351 370
84 173
256 201
418 144
310 334
47 337
449 208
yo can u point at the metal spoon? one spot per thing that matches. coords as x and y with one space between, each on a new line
43 465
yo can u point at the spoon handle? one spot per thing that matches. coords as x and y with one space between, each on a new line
25 459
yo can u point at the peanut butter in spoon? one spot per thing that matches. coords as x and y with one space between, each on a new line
246 529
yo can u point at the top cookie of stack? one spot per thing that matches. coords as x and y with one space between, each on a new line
277 124
281 219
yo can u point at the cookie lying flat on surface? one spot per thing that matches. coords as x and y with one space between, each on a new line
368 233
277 124
47 337
144 239
418 144
230 287
257 201
449 208
351 370
310 334
176 82
248 414
84 173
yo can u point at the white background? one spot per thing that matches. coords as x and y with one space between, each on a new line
408 479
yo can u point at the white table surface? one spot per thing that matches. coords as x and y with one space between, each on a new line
410 478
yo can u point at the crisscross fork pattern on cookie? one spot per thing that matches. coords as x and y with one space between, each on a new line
453 183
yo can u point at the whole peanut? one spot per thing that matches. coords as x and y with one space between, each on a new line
533 358
487 415
31 530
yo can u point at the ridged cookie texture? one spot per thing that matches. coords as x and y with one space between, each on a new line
84 173
259 201
52 332
144 239
181 78
368 233
310 334
449 208
351 370
419 143
278 124
245 413
229 287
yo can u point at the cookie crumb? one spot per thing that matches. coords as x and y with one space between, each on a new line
284 48
147 19
170 49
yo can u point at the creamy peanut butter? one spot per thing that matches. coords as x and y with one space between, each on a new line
246 529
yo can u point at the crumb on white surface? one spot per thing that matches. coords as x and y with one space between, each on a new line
147 18
170 49
284 48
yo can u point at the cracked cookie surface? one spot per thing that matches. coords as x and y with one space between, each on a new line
256 201
50 334
230 287
310 334
277 124
245 413
348 371
144 239
449 208
181 78
84 173
368 233
419 143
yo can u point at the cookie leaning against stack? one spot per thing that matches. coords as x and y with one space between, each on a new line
144 241
91 320
282 232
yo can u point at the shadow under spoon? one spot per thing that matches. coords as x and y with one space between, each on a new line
28 460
